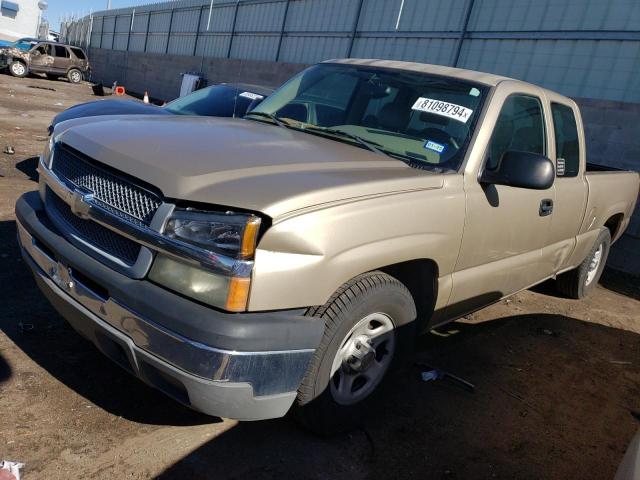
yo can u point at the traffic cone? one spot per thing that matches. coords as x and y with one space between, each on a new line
146 97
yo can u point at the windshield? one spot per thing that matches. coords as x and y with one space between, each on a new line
422 118
216 101
23 44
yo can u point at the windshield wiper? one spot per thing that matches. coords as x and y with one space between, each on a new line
271 116
370 145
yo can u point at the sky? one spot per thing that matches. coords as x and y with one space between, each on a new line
59 8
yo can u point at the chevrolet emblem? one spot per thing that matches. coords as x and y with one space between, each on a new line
80 205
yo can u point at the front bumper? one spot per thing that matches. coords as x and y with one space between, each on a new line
226 381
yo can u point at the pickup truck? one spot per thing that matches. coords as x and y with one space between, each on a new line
288 260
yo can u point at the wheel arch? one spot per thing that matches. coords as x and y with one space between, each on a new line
420 276
614 224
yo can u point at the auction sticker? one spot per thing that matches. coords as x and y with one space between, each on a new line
444 109
252 96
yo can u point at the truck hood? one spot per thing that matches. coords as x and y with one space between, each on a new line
241 163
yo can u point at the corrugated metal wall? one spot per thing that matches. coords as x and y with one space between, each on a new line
582 48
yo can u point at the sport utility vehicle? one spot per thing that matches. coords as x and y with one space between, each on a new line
51 58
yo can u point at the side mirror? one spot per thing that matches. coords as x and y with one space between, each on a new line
522 170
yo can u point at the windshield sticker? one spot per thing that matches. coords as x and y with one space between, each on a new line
436 147
444 109
474 92
252 96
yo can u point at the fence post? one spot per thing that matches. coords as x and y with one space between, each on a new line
133 16
284 23
463 32
195 44
146 34
354 30
113 37
90 34
233 28
166 50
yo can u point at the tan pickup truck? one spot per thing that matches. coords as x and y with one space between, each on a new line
246 267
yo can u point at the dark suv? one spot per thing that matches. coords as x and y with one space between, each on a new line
54 59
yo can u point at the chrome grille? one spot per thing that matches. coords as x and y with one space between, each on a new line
118 194
100 237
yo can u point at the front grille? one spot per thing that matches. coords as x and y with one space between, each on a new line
115 192
93 233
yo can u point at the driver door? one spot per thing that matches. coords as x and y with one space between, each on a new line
505 227
41 58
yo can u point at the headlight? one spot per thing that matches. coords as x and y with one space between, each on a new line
233 234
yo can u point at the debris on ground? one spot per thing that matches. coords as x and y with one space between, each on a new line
436 374
9 150
546 331
98 89
26 327
12 467
41 87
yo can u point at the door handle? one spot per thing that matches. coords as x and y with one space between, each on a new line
546 207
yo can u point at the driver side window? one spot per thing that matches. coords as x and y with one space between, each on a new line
42 49
520 127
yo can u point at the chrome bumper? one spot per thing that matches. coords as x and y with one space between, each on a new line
267 372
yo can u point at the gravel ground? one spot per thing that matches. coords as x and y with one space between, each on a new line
557 381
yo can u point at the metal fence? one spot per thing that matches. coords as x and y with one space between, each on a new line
583 48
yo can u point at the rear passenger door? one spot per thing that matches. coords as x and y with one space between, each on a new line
61 58
505 229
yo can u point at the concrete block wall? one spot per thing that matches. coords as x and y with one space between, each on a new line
612 128
160 74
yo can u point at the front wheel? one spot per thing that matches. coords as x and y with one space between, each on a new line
369 331
18 69
577 283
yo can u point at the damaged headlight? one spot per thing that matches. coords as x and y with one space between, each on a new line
233 234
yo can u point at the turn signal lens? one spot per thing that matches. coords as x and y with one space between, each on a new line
250 237
238 294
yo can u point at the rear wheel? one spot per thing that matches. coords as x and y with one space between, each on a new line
577 283
369 331
18 69
74 75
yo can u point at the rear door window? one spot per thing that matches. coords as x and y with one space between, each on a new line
567 144
520 128
60 51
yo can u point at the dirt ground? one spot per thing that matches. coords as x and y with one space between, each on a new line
557 397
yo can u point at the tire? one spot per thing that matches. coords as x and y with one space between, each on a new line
74 75
339 389
18 69
577 283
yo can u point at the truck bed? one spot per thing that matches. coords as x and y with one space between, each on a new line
595 167
611 192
